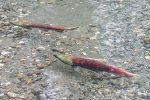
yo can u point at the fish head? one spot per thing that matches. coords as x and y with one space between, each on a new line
64 58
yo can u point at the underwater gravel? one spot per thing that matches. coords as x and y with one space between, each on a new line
115 30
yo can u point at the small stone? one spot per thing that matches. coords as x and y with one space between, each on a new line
12 95
21 42
20 74
46 33
96 48
147 38
63 37
7 83
4 16
1 64
16 46
1 95
5 53
95 36
58 43
51 1
40 48
43 83
37 60
100 92
147 57
84 53
41 66
20 10
34 73
29 81
21 97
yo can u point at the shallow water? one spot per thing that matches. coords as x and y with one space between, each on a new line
111 30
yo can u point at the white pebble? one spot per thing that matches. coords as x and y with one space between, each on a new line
20 9
1 64
1 94
37 60
4 53
7 83
84 53
3 16
21 42
11 94
41 48
21 97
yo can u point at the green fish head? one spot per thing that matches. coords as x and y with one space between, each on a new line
64 58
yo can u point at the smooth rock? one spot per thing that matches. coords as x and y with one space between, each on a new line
40 48
1 95
1 64
147 57
21 42
5 53
11 94
21 97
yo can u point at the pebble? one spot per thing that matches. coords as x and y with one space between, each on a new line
20 74
51 1
37 60
43 83
41 66
84 53
21 97
95 36
1 95
5 53
99 92
21 42
63 37
147 57
14 95
40 48
147 38
11 94
29 81
1 64
33 73
4 16
5 84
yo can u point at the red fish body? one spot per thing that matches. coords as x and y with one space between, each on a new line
33 24
93 64
96 65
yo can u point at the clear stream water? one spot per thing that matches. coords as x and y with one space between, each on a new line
108 29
